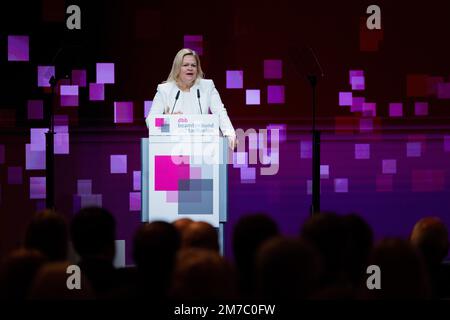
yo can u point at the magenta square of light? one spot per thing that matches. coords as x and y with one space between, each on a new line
118 163
275 94
345 99
35 109
196 173
37 188
84 187
61 143
34 160
137 180
421 108
273 69
365 125
79 78
281 128
308 186
369 109
18 48
248 174
61 129
88 200
362 151
159 122
2 153
167 173
147 107
356 73
384 183
357 83
447 143
324 171
105 72
305 149
240 159
235 79
413 149
357 104
61 120
14 175
341 185
443 90
135 201
69 96
172 196
390 166
252 97
96 91
395 109
37 139
428 180
194 42
123 112
44 75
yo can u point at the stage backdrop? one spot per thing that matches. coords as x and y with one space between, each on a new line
382 105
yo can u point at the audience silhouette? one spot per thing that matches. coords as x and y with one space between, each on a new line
180 261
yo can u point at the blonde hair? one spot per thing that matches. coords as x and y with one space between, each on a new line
178 61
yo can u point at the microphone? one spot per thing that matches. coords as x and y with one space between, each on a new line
176 99
198 97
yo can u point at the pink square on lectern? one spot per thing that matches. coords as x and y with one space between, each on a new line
172 196
159 122
196 173
167 173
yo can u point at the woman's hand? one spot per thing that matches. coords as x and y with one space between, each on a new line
232 142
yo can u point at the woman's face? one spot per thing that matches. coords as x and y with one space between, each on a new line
188 72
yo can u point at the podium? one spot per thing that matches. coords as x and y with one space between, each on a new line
184 170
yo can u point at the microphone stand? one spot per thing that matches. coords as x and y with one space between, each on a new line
315 206
49 152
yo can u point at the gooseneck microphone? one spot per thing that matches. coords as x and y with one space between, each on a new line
198 97
176 99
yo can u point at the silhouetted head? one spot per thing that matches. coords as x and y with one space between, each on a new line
47 232
202 274
287 269
181 224
430 237
93 232
200 234
18 272
51 283
358 248
402 271
249 234
155 246
326 231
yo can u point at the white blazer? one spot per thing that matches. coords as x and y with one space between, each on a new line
189 103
